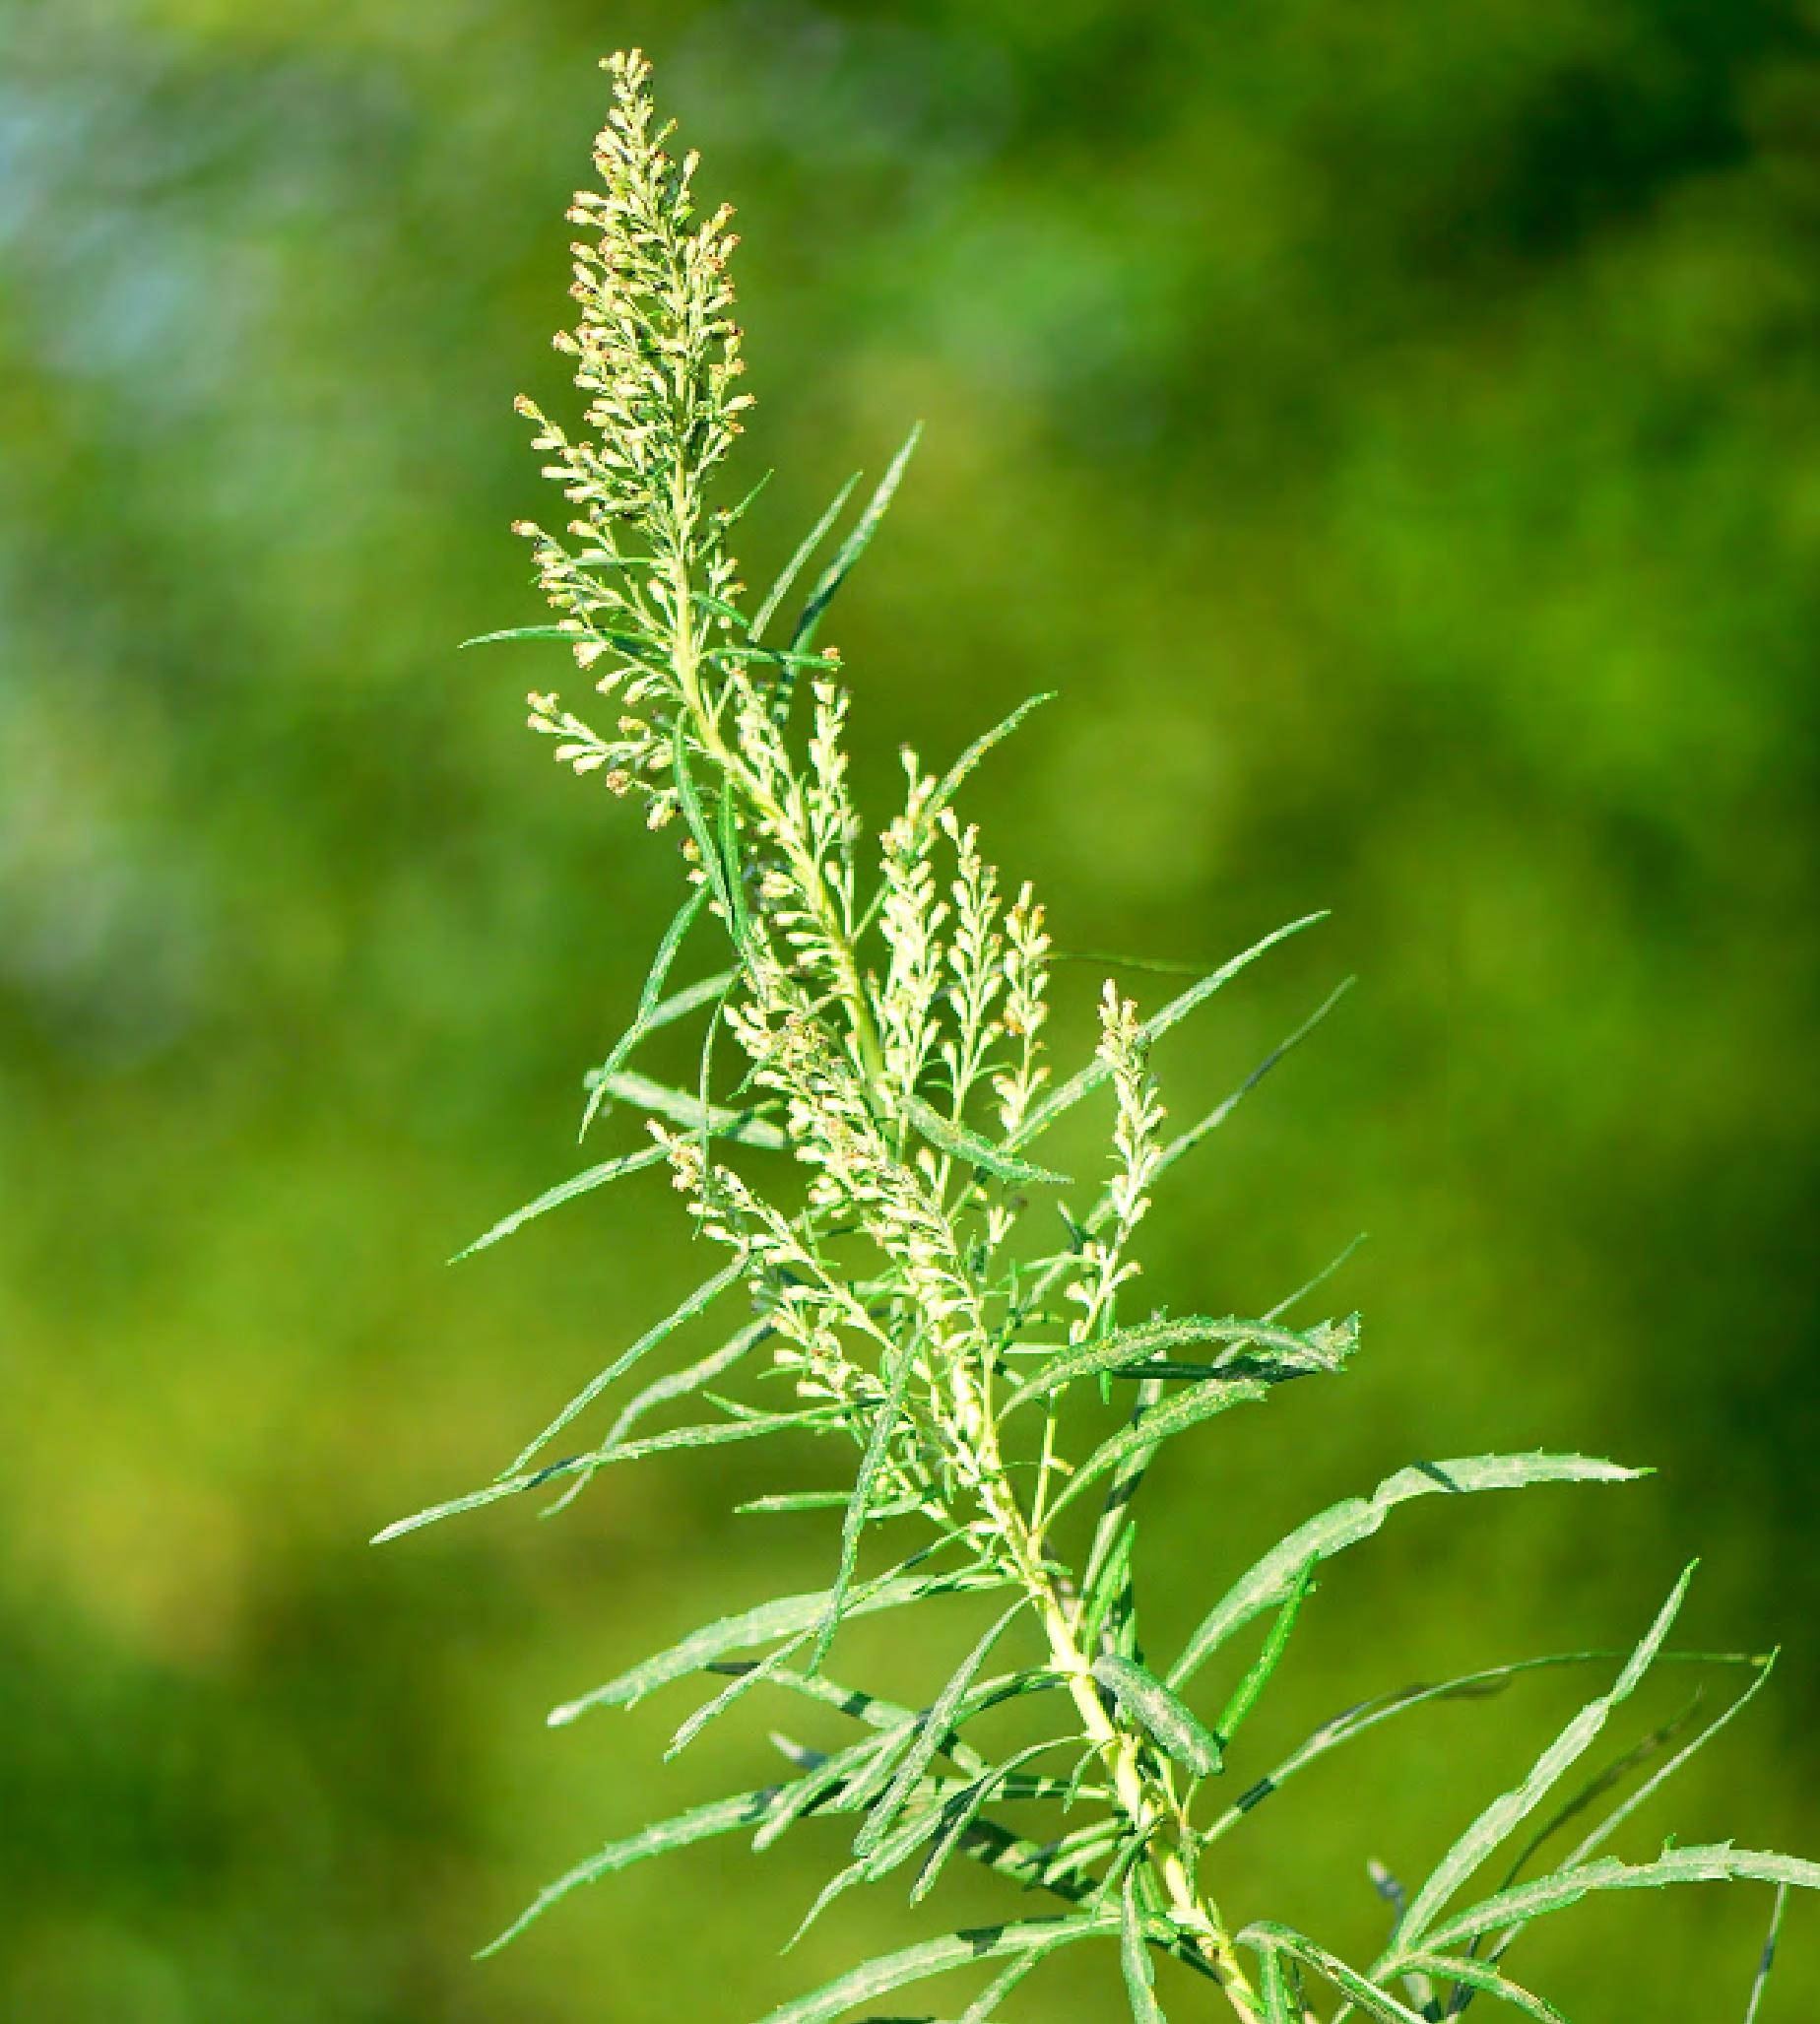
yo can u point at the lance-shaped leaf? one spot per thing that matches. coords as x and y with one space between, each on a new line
721 1816
750 1427
1766 1960
805 547
1135 1958
742 1127
1359 1518
1505 1814
1090 1078
1034 1936
854 547
932 1734
1164 1717
886 1419
960 1144
780 1618
1485 1979
952 780
701 1298
1269 1938
1245 1693
675 1383
650 999
1277 1352
1359 1720
583 1183
965 1808
1155 1424
1713 1863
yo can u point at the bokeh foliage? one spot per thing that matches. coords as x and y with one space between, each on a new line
1395 431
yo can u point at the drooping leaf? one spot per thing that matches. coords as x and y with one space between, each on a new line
715 1434
565 1191
1034 1936
742 1127
960 1144
932 1734
1470 1686
1153 1425
1163 1716
649 1000
1713 1863
721 1816
700 1299
1266 1937
1359 1518
1059 1102
780 1618
1499 1820
964 1810
1137 1349
1481 1977
675 1383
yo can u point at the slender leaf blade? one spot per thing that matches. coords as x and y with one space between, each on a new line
1343 1524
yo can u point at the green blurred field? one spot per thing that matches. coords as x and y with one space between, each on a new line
1397 433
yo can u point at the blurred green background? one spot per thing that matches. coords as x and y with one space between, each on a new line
1396 429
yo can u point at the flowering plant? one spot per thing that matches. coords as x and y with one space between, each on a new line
931 1294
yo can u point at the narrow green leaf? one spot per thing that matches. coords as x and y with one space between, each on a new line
722 1816
568 635
1245 1695
964 1810
1499 1820
853 548
795 1500
1280 2003
931 1735
1486 1979
1184 1143
697 1302
742 1127
1090 1077
885 1422
566 1190
1359 1518
675 1383
956 775
1135 1959
1164 1717
689 798
1609 1826
793 569
1766 1961
1470 1686
960 1144
1153 1425
1713 1863
934 1957
713 1435
1134 1348
780 1618
1266 1938
649 999
731 858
